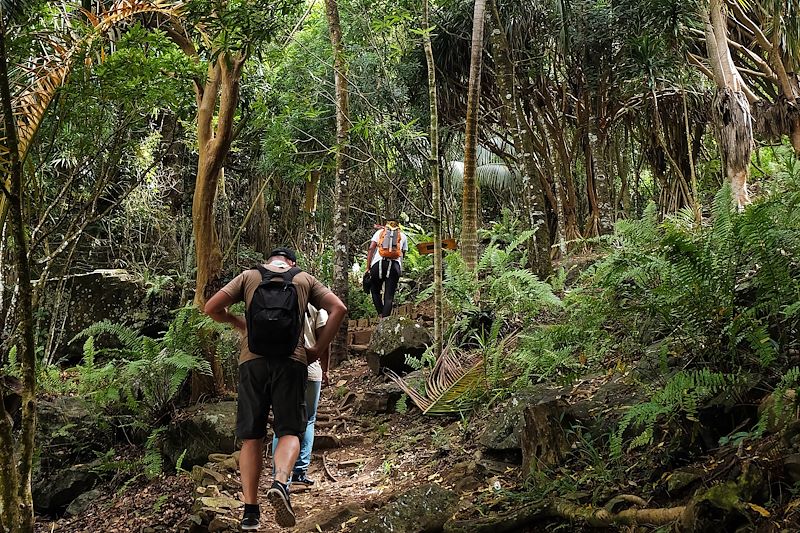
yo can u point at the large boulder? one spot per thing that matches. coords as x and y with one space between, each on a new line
52 494
201 430
68 429
505 427
394 339
420 510
107 294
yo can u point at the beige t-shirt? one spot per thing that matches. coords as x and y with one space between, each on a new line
309 290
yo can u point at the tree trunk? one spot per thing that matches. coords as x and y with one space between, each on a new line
258 227
595 173
569 206
731 108
221 90
469 205
341 214
436 185
16 463
223 208
533 194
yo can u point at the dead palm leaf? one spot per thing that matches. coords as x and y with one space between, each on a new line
451 386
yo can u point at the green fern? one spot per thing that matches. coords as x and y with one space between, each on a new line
145 375
683 395
780 407
130 339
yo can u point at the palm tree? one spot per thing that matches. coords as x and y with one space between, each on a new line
469 227
438 290
532 190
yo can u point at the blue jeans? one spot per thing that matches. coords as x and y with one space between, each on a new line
307 442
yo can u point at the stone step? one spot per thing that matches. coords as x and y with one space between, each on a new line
358 349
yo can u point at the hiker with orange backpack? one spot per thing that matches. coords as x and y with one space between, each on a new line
385 259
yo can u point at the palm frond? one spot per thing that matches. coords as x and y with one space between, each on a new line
31 102
451 385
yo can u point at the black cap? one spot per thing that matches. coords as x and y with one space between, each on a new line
288 253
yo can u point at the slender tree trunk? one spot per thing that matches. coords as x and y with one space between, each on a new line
533 194
16 460
690 153
436 185
258 227
595 173
341 214
731 108
469 208
569 205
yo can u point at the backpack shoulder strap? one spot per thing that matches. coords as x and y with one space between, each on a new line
262 270
289 275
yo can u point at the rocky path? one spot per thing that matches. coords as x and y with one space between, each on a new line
366 454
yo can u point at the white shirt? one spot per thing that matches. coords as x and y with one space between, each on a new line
315 319
377 240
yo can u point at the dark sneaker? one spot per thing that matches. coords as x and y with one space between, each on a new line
278 497
251 522
300 477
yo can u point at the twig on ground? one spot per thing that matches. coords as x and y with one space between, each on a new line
327 470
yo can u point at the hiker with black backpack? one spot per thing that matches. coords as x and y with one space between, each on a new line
385 266
273 369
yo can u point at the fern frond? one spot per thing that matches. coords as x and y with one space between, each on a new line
130 339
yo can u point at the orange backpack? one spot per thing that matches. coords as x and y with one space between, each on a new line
389 243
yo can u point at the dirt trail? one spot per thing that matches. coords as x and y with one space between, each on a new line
379 455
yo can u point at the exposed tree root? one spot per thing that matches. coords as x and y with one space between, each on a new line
559 508
327 470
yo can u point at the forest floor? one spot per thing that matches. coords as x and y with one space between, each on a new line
378 456
364 460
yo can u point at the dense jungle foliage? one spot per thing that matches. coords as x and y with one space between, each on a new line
622 178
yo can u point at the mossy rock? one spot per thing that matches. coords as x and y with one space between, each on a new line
395 338
420 510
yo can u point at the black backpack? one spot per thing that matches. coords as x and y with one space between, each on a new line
274 321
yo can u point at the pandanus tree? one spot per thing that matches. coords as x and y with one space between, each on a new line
25 96
763 45
731 108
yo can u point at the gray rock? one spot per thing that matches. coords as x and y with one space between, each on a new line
107 294
421 510
380 399
791 467
57 491
600 412
201 430
682 478
393 339
82 502
69 422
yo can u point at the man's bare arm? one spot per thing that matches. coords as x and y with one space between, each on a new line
371 252
217 308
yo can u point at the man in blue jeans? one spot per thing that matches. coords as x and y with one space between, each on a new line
317 375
